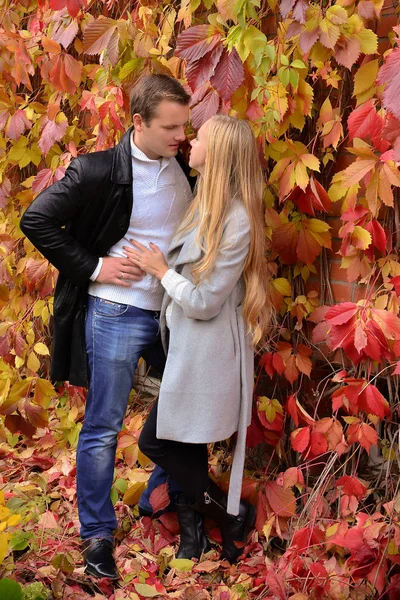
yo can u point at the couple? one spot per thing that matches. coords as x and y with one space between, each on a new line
145 270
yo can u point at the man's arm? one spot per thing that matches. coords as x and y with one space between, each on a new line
43 224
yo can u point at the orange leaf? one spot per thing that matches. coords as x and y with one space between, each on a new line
282 501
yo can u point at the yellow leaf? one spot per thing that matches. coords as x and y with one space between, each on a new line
133 493
3 546
317 226
19 362
2 498
283 286
182 564
268 527
368 41
361 238
336 15
329 33
301 176
332 530
143 460
310 161
41 348
326 112
4 513
13 520
365 77
33 362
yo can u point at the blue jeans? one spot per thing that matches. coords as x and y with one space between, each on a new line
117 335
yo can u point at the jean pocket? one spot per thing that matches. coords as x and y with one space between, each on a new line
106 308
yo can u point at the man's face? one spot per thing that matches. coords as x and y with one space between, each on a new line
164 133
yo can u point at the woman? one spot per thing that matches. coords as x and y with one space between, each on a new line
214 313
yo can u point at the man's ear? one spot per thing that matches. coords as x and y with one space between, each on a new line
138 122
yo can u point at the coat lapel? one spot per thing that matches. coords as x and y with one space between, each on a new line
184 249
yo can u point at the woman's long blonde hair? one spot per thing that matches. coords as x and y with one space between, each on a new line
232 172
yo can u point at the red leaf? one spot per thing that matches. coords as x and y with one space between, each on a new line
300 439
206 109
364 122
318 444
282 501
277 363
377 233
196 42
372 401
159 497
341 313
200 71
352 486
389 74
229 74
308 246
266 362
284 241
362 433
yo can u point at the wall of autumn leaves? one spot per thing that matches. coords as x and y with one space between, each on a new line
322 96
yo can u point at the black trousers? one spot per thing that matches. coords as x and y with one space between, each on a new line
186 463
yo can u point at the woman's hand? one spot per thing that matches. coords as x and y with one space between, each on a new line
151 260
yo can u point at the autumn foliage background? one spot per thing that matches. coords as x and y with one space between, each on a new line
320 83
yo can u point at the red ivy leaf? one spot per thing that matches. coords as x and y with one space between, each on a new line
282 501
201 71
229 74
206 109
341 313
300 439
159 497
195 42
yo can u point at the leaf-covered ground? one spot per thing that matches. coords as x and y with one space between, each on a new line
38 481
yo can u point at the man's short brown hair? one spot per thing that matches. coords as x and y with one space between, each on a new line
151 90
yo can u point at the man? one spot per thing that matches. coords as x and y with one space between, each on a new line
106 311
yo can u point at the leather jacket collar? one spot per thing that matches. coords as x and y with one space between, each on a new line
121 171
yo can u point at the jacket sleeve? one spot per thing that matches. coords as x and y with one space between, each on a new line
204 300
44 220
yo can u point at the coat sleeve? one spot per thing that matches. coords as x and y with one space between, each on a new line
204 300
44 220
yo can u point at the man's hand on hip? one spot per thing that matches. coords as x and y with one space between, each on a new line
119 271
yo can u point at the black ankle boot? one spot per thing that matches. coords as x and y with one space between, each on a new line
193 539
233 528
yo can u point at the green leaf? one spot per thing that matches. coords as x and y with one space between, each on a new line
10 590
298 64
284 76
20 540
182 564
284 60
121 485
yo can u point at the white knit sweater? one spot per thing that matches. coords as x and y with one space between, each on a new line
161 193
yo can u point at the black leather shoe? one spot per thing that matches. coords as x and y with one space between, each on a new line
193 538
233 529
99 558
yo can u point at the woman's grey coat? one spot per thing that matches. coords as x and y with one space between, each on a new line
206 389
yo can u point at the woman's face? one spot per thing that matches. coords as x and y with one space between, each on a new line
197 159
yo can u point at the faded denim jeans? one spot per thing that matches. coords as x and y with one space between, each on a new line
117 335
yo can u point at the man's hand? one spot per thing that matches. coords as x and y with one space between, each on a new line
119 271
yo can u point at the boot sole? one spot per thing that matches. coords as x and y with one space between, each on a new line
94 573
